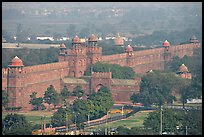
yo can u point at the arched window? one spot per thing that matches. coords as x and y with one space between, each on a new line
80 73
72 74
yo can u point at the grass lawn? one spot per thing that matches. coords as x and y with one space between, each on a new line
133 121
34 116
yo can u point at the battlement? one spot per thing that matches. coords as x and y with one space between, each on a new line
101 75
45 67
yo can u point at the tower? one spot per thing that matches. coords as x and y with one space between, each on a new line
15 81
167 53
77 58
94 53
118 40
195 41
129 52
183 72
62 52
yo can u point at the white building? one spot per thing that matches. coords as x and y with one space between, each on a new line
45 38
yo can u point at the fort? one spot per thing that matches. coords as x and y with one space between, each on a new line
20 81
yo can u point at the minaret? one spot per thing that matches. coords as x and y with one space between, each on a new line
76 42
62 52
15 82
129 51
167 53
94 52
118 40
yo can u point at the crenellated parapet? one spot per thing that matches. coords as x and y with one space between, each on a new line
101 75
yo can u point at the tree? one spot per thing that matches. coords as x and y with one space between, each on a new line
15 124
117 70
4 98
172 119
65 93
78 91
36 102
62 117
135 98
156 87
51 96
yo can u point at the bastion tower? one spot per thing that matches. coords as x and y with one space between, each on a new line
15 82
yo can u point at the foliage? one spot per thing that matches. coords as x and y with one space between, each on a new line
51 96
78 91
36 102
30 57
62 117
133 131
174 119
134 98
4 98
65 93
156 88
102 101
15 124
194 64
117 70
95 106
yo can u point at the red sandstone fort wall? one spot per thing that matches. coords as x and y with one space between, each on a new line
4 78
115 59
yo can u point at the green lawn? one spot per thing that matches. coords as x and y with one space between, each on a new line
134 121
34 116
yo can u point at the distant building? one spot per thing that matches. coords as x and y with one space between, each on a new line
119 40
45 38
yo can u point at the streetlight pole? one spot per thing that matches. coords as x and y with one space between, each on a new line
75 122
161 121
88 120
186 130
122 112
66 124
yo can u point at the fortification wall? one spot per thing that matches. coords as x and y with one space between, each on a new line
4 78
40 88
181 50
71 87
46 72
115 59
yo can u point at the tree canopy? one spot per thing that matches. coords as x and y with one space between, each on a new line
36 102
117 70
51 96
4 98
156 88
15 124
175 121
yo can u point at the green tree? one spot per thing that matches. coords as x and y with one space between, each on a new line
64 94
51 96
156 87
135 98
78 91
36 102
62 117
117 70
4 98
172 119
15 124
